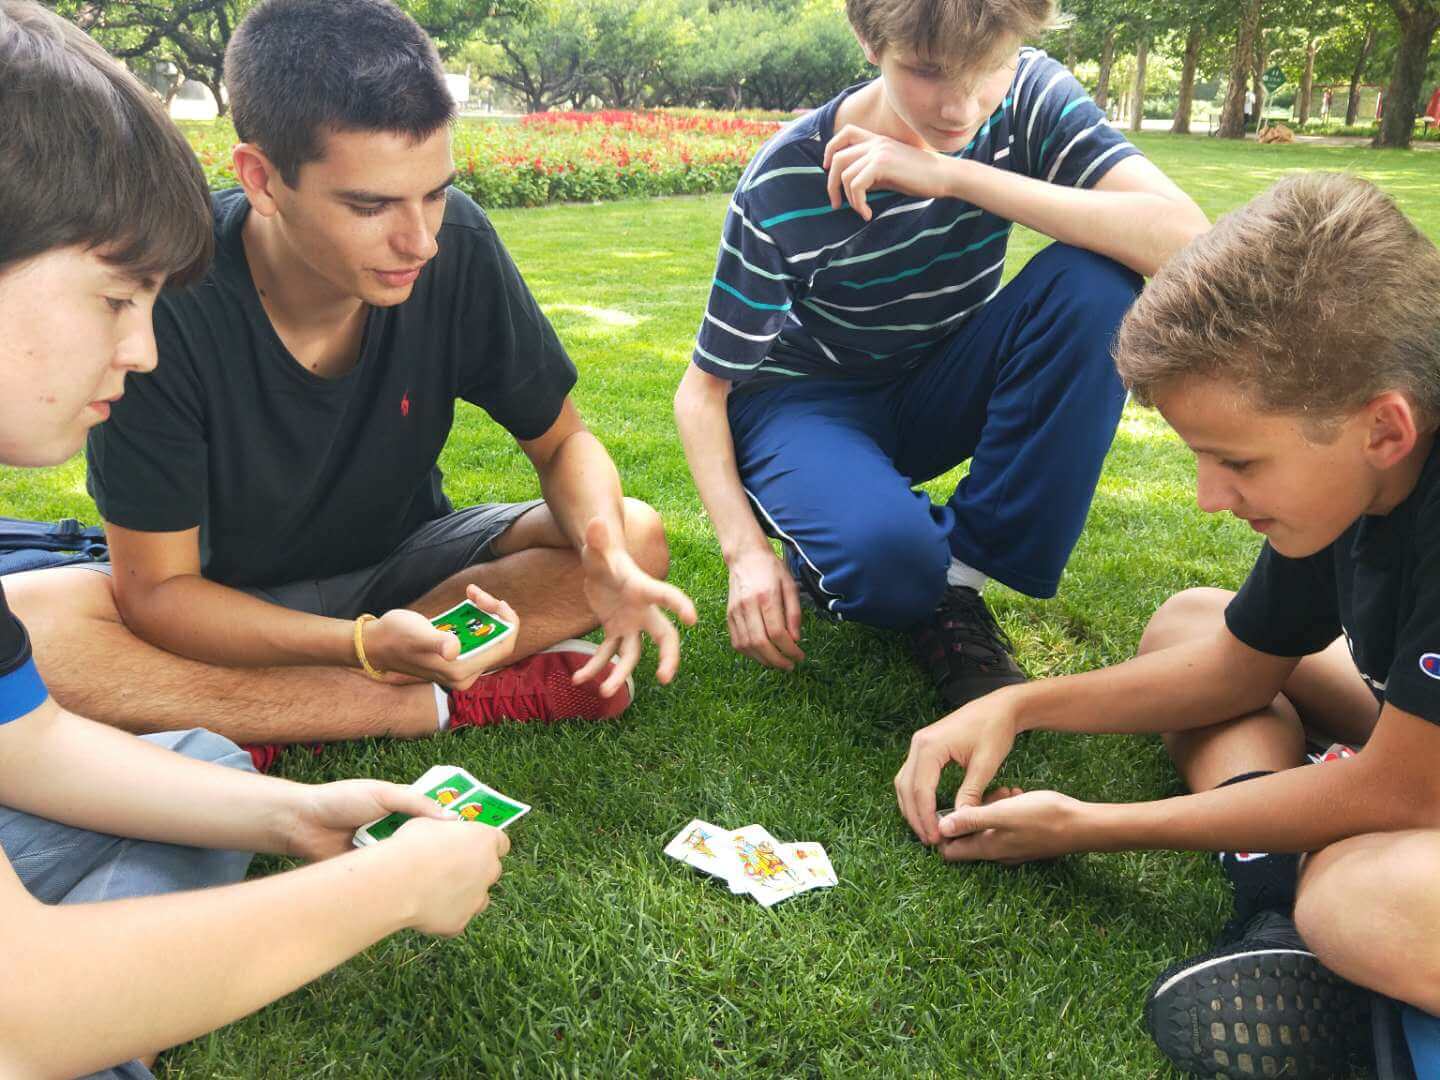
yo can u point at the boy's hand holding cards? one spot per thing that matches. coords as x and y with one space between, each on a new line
752 861
454 788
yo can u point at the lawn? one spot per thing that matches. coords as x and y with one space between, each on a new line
601 957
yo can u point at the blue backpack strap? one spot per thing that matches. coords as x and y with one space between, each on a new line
1422 1033
34 545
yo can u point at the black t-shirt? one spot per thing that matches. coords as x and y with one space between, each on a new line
291 476
1378 584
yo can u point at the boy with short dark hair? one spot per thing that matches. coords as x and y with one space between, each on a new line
275 485
1296 350
102 203
858 341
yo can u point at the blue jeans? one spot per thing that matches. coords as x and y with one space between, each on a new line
1026 390
60 864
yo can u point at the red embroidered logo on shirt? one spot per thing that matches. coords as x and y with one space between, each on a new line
405 404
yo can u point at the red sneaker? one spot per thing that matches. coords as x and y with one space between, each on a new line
264 755
539 688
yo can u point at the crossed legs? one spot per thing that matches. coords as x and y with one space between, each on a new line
95 666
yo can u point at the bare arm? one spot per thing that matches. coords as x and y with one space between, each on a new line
1190 684
582 489
764 606
165 600
157 971
1389 786
1135 214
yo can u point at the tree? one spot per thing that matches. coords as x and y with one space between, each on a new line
1142 56
543 58
634 40
1194 39
1232 117
1418 19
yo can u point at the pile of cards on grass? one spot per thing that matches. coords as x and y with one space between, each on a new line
453 787
752 861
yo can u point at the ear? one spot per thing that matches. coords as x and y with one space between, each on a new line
872 55
258 176
1390 429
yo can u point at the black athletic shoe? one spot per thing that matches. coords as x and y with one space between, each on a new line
963 649
1260 1006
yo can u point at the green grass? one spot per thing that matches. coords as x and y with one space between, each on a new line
601 957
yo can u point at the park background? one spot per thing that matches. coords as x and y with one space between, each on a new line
600 957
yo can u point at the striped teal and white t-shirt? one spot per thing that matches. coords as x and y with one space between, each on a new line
801 289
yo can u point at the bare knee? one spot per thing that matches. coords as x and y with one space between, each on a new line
66 595
1185 615
645 538
1367 906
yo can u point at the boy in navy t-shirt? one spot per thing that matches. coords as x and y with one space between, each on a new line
1296 351
858 341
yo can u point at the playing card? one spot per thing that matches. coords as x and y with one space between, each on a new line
476 629
489 807
452 786
763 872
811 863
705 847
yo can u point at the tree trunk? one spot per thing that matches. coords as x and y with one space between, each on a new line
1107 61
1352 103
1142 55
1193 41
1232 117
1418 23
1258 72
1307 83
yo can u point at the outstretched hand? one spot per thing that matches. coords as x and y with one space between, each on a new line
628 602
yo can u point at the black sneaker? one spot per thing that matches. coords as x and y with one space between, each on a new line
963 649
1259 1006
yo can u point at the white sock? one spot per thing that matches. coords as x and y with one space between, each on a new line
961 574
442 708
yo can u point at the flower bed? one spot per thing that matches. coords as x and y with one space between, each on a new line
572 157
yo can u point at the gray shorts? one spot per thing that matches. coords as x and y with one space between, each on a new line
429 555
60 864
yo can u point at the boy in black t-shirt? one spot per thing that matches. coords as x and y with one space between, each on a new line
1296 350
274 486
101 203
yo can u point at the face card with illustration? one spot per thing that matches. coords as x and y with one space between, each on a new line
705 847
476 629
763 872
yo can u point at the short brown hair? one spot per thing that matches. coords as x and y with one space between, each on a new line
1311 299
90 158
955 34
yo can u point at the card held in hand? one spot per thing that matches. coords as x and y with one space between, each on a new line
453 787
476 629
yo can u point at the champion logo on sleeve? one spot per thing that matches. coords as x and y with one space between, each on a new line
1430 664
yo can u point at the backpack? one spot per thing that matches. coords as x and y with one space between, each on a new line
34 545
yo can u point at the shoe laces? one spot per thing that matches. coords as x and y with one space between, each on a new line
508 694
963 619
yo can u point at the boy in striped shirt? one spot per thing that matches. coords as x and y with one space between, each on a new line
858 341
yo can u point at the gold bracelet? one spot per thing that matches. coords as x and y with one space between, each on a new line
360 622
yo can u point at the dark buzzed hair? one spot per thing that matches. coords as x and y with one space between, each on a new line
90 158
297 70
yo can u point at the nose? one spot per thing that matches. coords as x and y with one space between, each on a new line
135 351
415 240
1213 492
958 107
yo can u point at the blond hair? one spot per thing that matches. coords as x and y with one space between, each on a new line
955 34
1311 299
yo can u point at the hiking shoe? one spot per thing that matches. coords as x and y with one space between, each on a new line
1261 1005
963 649
539 688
